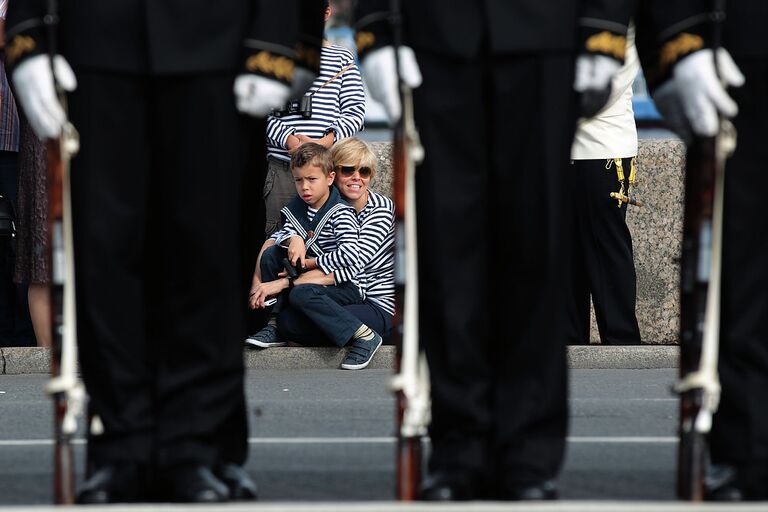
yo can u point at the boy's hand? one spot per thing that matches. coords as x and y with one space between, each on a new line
297 251
263 291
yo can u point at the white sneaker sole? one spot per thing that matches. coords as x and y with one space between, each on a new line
260 344
360 366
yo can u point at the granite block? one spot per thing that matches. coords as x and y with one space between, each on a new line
656 233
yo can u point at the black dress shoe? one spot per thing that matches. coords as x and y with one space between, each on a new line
736 483
114 483
546 490
189 483
241 486
449 486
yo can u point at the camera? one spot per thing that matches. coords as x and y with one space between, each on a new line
302 107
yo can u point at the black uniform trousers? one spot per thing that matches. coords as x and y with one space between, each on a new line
604 266
493 255
156 192
740 430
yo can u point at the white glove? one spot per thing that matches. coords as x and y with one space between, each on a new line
594 72
692 99
594 76
258 96
381 77
35 92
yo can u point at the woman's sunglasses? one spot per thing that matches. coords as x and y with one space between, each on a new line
349 170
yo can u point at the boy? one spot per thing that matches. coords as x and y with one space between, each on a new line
321 233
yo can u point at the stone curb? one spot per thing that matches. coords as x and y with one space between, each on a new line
24 360
392 506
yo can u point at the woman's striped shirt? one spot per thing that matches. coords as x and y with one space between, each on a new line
339 106
377 254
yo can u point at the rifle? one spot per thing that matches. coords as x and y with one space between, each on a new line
65 388
411 382
699 385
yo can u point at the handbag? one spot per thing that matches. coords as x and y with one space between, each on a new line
7 222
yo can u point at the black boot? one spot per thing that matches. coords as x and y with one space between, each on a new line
191 483
449 486
543 491
114 483
240 484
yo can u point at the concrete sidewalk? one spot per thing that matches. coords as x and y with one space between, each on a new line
373 506
21 360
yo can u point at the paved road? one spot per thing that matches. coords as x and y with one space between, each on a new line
327 435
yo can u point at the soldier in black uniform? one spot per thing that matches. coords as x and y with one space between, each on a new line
496 113
156 192
674 46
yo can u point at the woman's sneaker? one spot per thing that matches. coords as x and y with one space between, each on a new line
361 352
266 338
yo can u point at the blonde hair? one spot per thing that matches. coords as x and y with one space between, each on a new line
353 151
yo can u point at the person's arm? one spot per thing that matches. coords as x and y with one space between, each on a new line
266 290
280 134
281 46
675 47
376 234
256 280
316 276
351 105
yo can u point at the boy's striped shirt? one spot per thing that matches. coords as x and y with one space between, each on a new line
335 244
339 106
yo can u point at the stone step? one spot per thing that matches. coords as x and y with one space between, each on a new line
23 360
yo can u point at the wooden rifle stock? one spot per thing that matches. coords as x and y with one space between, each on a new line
63 473
66 389
408 457
700 291
695 282
411 382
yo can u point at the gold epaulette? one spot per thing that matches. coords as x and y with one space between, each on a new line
19 46
607 43
364 40
269 64
680 46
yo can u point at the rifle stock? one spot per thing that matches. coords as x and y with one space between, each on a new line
699 384
64 490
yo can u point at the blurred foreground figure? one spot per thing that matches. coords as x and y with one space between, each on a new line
153 90
496 113
690 91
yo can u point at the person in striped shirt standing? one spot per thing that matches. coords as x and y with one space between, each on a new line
321 225
337 112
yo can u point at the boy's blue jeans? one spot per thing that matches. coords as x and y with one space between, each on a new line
310 307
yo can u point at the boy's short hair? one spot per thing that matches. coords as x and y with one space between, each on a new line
353 151
312 153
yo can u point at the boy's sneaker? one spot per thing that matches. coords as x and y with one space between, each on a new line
266 338
361 352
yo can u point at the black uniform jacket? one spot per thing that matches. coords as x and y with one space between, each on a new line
669 31
171 36
463 29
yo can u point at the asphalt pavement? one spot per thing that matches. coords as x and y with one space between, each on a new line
328 435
